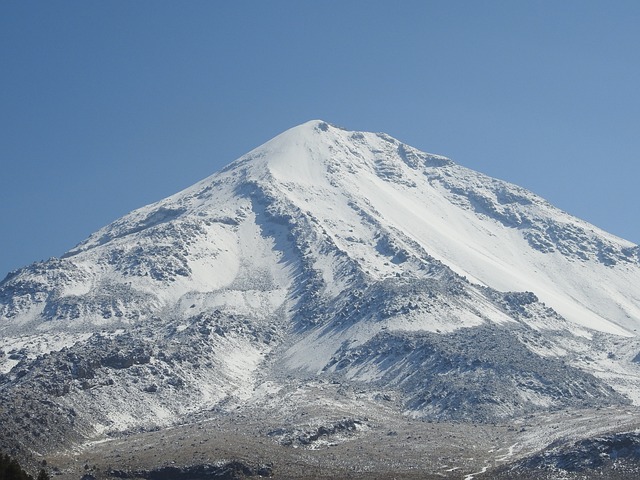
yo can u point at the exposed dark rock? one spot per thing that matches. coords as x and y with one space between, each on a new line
472 374
226 471
613 456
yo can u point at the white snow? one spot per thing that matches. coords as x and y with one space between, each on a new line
483 250
471 476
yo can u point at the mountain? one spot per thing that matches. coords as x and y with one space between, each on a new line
322 288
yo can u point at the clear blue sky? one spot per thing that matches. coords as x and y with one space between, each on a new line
106 106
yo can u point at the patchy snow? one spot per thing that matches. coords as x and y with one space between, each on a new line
30 346
510 452
471 476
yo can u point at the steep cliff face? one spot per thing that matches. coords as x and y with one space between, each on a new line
325 255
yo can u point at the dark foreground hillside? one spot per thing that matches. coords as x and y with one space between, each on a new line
10 469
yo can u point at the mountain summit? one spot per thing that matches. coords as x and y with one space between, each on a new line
325 260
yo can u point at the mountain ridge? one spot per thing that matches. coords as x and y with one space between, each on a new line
504 207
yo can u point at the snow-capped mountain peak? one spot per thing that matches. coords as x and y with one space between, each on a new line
328 253
373 199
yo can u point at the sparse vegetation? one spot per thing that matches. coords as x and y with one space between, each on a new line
10 469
